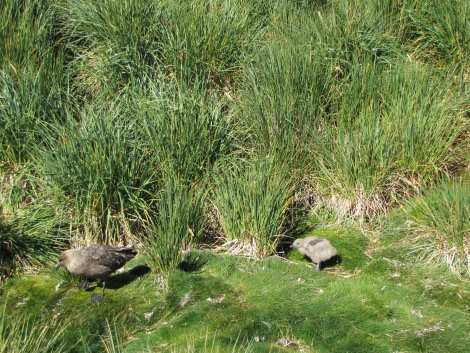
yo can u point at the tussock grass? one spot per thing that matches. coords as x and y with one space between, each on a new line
252 201
286 88
178 225
185 128
355 158
440 30
98 171
25 33
114 44
207 39
440 224
111 43
29 239
28 333
27 101
17 187
137 121
31 75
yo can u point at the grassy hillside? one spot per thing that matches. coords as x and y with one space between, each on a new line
232 127
219 303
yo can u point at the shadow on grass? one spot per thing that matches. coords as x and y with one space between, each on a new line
335 260
194 261
123 279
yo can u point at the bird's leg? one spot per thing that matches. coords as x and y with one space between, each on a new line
98 297
318 267
84 285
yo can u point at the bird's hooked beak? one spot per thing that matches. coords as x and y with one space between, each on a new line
57 266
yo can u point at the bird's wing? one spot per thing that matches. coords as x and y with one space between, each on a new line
127 251
315 242
111 257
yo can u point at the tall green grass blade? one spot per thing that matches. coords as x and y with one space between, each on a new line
98 169
185 129
178 224
30 334
441 225
252 200
407 109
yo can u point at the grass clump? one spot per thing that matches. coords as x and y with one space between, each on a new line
207 39
252 202
28 333
355 159
28 100
178 225
285 89
111 43
185 128
29 240
31 77
440 221
440 30
97 169
25 33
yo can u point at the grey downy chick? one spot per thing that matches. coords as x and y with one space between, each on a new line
93 262
317 249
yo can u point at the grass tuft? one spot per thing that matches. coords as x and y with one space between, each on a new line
252 201
97 170
440 221
28 333
29 240
359 174
178 225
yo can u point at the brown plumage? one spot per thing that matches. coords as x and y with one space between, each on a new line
317 249
93 262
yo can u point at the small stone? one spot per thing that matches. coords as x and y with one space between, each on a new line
286 343
147 316
58 286
216 301
185 299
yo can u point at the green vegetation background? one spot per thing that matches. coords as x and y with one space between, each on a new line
236 126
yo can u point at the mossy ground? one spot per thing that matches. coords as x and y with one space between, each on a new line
372 301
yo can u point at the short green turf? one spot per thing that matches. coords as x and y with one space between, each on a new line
368 305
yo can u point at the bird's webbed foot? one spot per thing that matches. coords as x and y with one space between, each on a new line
97 298
84 285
